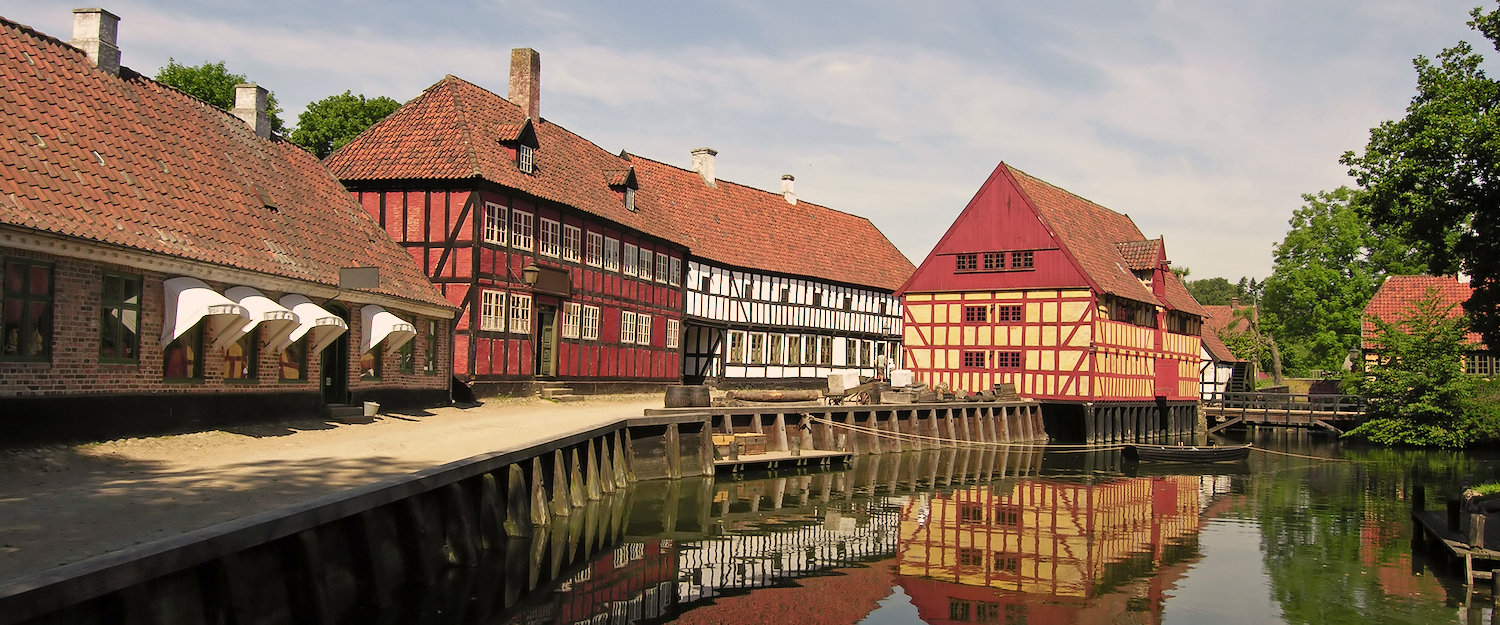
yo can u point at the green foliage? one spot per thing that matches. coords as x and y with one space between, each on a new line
212 83
1434 175
330 123
1326 269
1212 291
1418 393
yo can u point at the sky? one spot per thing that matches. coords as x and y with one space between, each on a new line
1204 121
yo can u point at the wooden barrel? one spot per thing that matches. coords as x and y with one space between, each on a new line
688 396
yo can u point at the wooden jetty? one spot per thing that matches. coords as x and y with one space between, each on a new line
1336 413
1460 536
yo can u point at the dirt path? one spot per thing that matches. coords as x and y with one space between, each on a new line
64 504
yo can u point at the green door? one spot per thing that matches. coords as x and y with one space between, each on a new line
546 351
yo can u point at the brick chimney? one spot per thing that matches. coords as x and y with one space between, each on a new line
526 81
95 32
786 189
250 106
703 163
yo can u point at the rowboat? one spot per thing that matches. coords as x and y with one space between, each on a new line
1187 453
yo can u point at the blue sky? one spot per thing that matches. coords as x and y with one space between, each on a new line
1204 121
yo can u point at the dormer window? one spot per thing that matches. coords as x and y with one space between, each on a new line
520 137
525 158
630 199
622 181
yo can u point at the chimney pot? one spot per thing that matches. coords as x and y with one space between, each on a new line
703 163
96 31
526 81
786 188
250 106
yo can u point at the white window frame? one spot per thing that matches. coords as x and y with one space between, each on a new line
593 250
645 264
642 329
735 348
494 223
611 254
630 199
520 313
491 310
525 158
674 329
521 223
674 269
547 239
661 267
589 330
627 326
572 240
628 260
571 319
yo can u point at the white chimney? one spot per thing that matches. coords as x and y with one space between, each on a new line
95 31
703 163
526 81
786 188
250 105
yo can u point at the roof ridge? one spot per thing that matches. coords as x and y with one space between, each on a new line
800 201
463 125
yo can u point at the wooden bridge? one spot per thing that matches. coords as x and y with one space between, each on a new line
1336 413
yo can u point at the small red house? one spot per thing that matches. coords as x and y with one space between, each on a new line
1396 295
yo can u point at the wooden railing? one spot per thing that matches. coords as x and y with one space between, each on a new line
1305 410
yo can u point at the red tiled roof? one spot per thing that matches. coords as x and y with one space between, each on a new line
125 161
1221 318
1141 254
1216 347
747 227
839 597
1177 296
453 131
1398 293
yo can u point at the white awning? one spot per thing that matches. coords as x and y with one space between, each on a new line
264 312
319 326
189 300
380 325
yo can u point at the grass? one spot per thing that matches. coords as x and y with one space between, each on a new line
1487 488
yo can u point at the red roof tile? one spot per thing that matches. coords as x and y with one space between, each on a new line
125 161
1177 296
1141 254
1216 347
746 227
1397 293
1221 318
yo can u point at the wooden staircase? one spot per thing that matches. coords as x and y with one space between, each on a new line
557 391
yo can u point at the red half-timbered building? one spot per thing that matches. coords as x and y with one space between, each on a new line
531 230
1061 297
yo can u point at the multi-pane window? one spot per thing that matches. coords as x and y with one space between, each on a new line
1002 562
974 360
1009 313
966 262
645 264
736 348
1007 360
969 556
811 354
571 320
705 284
120 320
674 329
520 313
590 325
774 344
757 349
593 252
994 261
293 360
494 223
848 302
662 267
867 353
371 363
794 350
26 310
429 363
851 353
627 326
547 242
1480 364
182 359
492 311
520 229
631 255
406 357
674 271
629 199
1022 260
611 254
571 242
643 329
241 357
825 351
817 298
976 314
525 158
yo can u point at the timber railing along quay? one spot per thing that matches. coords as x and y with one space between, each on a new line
1331 412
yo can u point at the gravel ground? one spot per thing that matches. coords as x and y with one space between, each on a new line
63 504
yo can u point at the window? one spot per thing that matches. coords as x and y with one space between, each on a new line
811 354
590 326
987 611
593 252
969 556
674 271
492 311
120 321
645 264
494 223
629 199
630 258
674 330
1022 260
851 353
520 313
976 314
775 345
240 358
407 357
26 302
1007 360
970 512
736 348
611 254
1008 515
757 349
1011 314
958 610
182 359
1002 562
293 361
661 267
794 350
817 298
825 351
549 238
974 360
429 364
570 243
1480 364
867 353
520 229
525 158
994 261
848 302
570 320
627 326
643 328
966 262
372 362
786 295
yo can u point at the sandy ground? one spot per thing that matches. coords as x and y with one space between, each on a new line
64 504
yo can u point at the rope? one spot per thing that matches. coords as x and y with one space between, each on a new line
1292 455
953 442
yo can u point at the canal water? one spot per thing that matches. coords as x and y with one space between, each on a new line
1314 533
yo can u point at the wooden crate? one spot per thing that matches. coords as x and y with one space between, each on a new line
751 444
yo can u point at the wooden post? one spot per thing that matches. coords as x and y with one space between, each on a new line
1419 499
1476 530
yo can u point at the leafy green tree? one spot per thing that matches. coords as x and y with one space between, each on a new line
1434 175
1326 269
1212 291
1418 391
212 83
329 123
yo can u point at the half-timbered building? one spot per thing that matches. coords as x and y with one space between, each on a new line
533 232
1065 299
166 265
778 290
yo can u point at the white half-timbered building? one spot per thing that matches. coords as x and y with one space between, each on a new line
777 290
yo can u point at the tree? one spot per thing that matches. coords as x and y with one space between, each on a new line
212 83
1417 388
1212 291
1326 269
1434 175
329 123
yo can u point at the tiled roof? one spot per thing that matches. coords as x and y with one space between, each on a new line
1177 296
453 131
1140 254
1398 293
1220 318
747 227
1216 347
125 161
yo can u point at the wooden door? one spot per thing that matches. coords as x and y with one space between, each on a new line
1166 377
546 351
